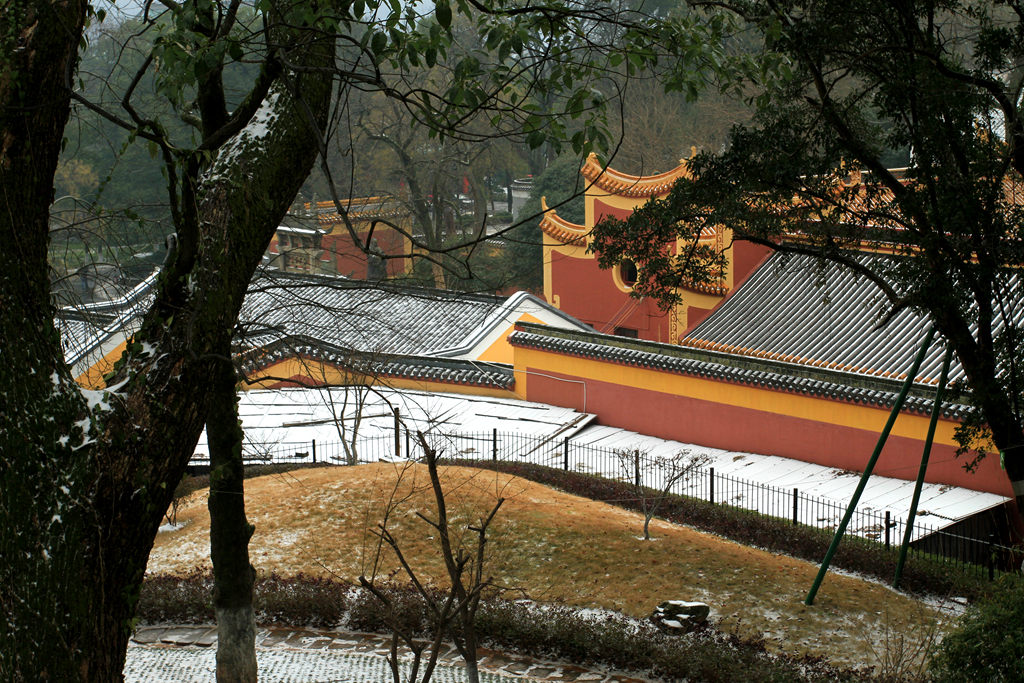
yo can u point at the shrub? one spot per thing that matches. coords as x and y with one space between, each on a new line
301 600
176 599
407 610
988 644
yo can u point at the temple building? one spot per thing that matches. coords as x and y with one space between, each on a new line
574 283
320 240
782 356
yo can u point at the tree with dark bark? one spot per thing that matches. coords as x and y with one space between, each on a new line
842 88
86 476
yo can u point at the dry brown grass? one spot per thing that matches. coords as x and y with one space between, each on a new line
556 547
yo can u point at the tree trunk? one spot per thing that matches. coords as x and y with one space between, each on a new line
230 531
85 477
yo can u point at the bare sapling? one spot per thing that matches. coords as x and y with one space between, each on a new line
452 612
643 472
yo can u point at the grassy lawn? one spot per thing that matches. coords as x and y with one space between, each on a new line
555 547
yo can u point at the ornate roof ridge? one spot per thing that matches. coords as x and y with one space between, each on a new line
626 185
385 212
394 366
562 230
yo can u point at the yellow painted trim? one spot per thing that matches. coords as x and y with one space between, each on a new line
729 394
93 377
326 374
546 252
619 282
501 351
563 250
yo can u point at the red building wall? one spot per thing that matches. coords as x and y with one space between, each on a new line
734 428
349 260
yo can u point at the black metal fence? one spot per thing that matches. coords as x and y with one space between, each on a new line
970 543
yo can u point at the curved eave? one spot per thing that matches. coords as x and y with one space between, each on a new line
714 289
423 369
552 225
626 185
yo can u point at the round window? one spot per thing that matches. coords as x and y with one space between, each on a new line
627 272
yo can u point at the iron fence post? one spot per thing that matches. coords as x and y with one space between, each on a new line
314 451
711 471
565 454
398 435
887 529
796 498
991 561
494 444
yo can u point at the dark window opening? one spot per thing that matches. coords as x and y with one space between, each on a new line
627 332
627 272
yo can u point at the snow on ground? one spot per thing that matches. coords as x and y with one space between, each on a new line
288 422
187 664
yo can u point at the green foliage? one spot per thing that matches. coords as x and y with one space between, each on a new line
988 643
563 188
848 87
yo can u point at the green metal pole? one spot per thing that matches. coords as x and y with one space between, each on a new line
936 409
870 466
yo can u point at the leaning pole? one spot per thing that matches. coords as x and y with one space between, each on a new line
936 410
883 437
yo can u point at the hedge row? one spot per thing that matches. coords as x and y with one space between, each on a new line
557 631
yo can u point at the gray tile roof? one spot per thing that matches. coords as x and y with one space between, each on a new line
380 318
753 371
444 370
84 328
797 311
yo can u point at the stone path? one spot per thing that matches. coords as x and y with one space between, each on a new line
186 653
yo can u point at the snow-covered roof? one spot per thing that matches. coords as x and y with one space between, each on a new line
90 331
940 505
299 416
382 318
278 421
371 318
297 231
